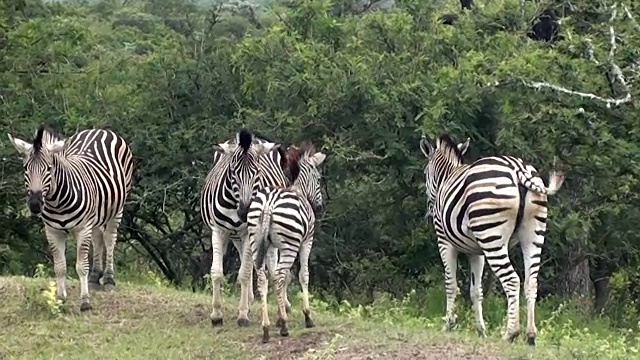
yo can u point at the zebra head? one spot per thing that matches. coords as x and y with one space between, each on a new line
304 163
243 167
442 158
38 162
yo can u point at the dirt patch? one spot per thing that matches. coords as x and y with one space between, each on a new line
413 352
292 347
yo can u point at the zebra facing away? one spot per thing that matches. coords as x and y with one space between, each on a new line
79 186
284 218
239 170
476 210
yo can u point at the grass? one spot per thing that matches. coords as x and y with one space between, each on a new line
157 322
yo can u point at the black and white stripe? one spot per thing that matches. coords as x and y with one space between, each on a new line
79 186
241 167
284 219
476 210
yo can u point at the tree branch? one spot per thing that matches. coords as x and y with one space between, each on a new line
615 70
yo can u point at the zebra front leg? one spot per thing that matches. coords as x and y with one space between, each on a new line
449 256
264 288
219 242
476 263
246 283
110 236
83 240
98 251
57 246
501 266
305 250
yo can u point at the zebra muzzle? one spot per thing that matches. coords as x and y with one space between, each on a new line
242 212
35 202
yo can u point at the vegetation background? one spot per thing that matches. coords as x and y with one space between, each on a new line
363 80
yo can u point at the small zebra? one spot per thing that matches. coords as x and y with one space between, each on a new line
239 170
476 209
284 218
79 186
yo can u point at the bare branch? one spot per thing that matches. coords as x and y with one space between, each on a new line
615 69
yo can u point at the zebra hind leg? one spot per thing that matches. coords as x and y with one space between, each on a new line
263 289
96 272
531 236
449 256
305 250
503 269
476 263
109 237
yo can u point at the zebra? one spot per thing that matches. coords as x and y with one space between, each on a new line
476 209
239 170
79 186
284 218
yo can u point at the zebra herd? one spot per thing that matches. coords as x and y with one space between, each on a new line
265 199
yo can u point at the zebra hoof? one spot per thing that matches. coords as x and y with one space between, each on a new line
511 337
109 284
242 322
217 322
308 321
85 306
265 334
94 286
531 340
284 331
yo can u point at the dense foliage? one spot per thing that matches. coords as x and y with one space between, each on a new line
364 82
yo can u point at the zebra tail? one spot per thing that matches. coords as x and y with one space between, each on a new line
535 184
556 178
261 244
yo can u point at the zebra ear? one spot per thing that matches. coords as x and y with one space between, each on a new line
225 148
23 147
463 147
317 159
55 147
426 147
266 147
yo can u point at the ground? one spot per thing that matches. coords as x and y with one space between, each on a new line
152 322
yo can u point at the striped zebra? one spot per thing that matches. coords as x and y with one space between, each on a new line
476 210
239 170
79 186
284 218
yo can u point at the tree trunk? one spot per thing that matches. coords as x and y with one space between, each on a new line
600 277
575 283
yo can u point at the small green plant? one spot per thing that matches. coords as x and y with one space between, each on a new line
44 298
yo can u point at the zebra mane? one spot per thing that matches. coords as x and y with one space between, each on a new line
293 156
445 142
245 139
46 133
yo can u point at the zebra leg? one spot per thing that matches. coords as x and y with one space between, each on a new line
476 263
531 236
305 250
110 236
282 309
83 239
98 251
272 263
57 245
219 242
501 266
264 288
244 277
449 256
